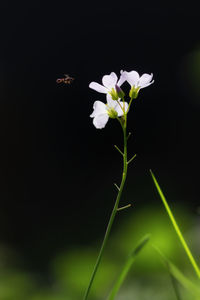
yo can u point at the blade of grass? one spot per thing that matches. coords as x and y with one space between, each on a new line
127 266
175 287
176 227
179 276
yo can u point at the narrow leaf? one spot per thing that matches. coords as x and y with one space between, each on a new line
127 267
179 276
175 287
176 227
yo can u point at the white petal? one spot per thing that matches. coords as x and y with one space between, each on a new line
109 81
132 78
110 101
145 80
98 87
122 78
119 109
148 84
99 108
100 121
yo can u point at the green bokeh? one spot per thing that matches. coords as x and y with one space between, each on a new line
71 270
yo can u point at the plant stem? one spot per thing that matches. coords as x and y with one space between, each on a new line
115 208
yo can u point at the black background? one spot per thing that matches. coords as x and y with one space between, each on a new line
57 170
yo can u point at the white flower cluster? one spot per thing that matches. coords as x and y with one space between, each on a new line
111 87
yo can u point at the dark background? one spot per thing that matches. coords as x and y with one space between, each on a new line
57 170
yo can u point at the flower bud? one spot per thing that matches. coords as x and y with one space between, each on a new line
114 94
134 92
119 92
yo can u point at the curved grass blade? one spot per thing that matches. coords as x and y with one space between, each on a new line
176 227
175 287
127 266
179 276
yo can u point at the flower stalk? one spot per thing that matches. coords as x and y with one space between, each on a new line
115 208
116 108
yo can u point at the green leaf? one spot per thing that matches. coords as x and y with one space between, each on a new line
175 287
127 266
179 276
176 227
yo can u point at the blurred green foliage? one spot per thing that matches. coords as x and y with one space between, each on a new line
15 285
190 73
70 270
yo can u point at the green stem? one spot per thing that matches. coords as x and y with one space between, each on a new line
114 211
130 104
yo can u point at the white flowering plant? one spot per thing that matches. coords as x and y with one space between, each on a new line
117 107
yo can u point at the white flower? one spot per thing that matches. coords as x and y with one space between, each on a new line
102 112
109 83
135 80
